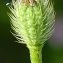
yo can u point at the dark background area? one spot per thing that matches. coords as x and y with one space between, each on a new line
13 52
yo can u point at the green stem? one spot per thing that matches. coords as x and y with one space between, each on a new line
35 54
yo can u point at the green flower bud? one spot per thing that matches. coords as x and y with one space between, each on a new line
33 21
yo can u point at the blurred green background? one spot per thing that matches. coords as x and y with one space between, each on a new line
13 52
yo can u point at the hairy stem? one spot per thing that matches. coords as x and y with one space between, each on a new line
35 54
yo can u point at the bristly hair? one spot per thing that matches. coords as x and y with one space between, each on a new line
33 22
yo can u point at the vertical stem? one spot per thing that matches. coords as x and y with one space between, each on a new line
35 54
